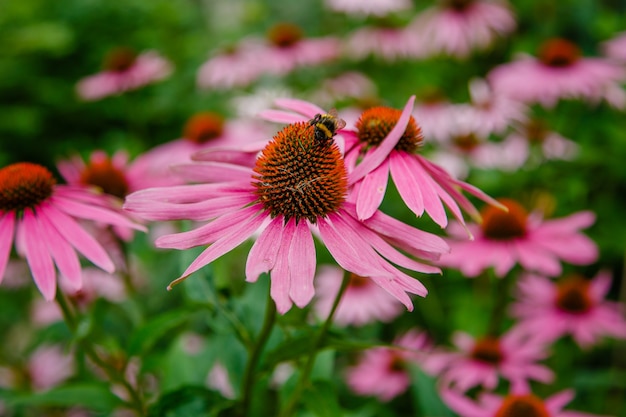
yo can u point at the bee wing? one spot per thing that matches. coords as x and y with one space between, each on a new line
340 123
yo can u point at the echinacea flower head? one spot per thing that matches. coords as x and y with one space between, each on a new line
383 372
560 72
573 305
520 402
377 8
459 27
41 218
386 41
298 184
124 70
235 66
506 238
483 361
362 302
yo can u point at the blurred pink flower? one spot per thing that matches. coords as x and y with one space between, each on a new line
362 302
573 305
520 401
297 185
236 66
219 380
383 372
493 113
559 72
348 85
615 48
41 218
378 8
481 362
123 71
535 135
386 42
506 238
48 366
387 140
458 27
434 113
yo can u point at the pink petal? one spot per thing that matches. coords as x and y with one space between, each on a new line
37 255
64 255
236 237
408 185
371 191
381 153
183 194
208 233
78 237
280 116
300 106
264 251
7 227
94 213
430 192
281 276
212 172
302 262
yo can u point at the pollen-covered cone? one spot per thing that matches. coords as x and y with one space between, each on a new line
296 186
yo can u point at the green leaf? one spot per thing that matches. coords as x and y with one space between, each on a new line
193 401
425 394
92 396
321 399
148 334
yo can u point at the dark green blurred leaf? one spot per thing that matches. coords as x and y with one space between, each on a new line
92 396
148 334
425 395
191 401
321 399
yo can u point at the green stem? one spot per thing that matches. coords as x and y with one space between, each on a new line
501 298
317 342
114 375
255 355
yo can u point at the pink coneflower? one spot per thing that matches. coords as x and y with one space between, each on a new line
350 85
389 43
288 49
559 72
433 113
520 402
493 113
48 366
481 362
387 139
369 7
383 372
615 48
458 27
573 305
535 135
43 217
123 71
506 238
235 66
362 302
219 380
298 184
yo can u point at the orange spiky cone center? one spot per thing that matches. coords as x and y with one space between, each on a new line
501 225
573 295
375 123
119 59
202 127
488 350
526 405
24 185
284 35
106 176
559 52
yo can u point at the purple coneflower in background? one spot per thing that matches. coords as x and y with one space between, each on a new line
42 219
362 302
377 8
458 27
560 72
124 70
519 402
481 362
506 238
573 305
297 185
388 42
383 372
615 48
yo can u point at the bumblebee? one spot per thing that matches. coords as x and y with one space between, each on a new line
326 125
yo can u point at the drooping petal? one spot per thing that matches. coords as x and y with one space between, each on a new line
262 256
208 233
383 150
302 265
37 255
281 274
98 214
371 191
82 241
402 172
64 255
7 228
234 238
